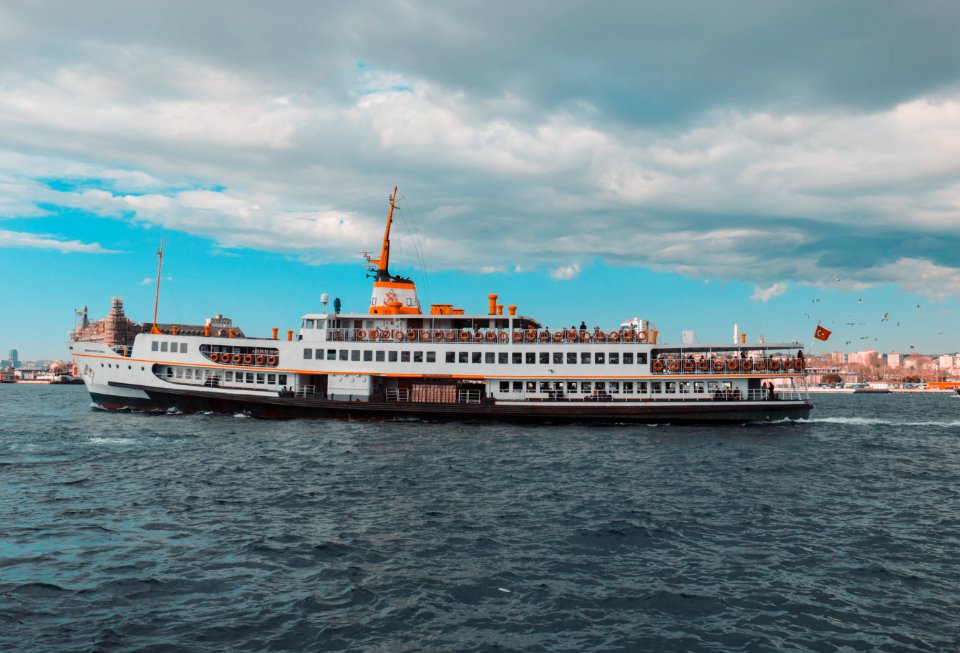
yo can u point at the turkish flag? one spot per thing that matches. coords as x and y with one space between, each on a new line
821 333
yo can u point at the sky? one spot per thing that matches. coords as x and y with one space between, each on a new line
773 165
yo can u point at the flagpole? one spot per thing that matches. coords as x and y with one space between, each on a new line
156 299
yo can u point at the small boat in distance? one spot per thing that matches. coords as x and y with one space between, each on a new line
397 361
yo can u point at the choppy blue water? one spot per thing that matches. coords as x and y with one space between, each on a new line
129 532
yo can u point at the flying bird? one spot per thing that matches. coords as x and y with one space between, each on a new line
806 315
815 300
885 318
860 301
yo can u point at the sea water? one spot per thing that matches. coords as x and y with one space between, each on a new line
135 532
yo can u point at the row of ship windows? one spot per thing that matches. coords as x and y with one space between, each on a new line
616 387
479 357
254 378
157 345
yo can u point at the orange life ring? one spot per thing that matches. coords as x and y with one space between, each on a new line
375 334
761 365
236 359
464 336
271 360
787 364
517 336
361 334
774 365
531 335
688 365
214 357
399 336
732 365
748 365
628 336
503 336
449 335
703 365
247 359
585 336
558 336
674 366
490 336
544 336
260 359
599 336
411 334
572 335
799 364
425 335
658 366
614 336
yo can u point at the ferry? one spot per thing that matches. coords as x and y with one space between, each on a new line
397 361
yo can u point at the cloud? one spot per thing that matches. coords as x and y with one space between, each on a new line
566 272
14 239
636 136
766 294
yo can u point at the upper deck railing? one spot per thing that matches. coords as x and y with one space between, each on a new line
492 336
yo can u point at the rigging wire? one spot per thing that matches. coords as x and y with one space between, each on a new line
410 225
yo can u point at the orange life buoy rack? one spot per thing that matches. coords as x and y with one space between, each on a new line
688 365
411 334
399 336
425 335
658 365
503 336
247 359
271 360
703 365
530 336
628 336
787 364
464 336
717 365
599 336
761 365
260 359
214 357
799 364
490 336
585 336
517 336
558 336
361 334
614 336
747 365
674 366
572 335
235 359
375 334
732 365
774 365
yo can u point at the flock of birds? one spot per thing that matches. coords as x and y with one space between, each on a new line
885 318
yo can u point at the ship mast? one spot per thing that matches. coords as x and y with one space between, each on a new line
156 299
384 260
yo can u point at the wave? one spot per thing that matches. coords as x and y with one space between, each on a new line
874 421
98 440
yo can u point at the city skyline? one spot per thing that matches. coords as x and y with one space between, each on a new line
770 166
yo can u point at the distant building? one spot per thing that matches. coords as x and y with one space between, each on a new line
14 358
895 359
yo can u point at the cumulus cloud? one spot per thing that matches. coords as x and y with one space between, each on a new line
766 294
626 142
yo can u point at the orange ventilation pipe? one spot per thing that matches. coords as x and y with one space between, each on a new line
290 335
499 309
512 309
493 304
275 332
206 330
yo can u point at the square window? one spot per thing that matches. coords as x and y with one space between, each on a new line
261 377
155 346
343 354
585 387
656 387
518 386
163 346
183 348
282 379
502 358
392 356
405 356
367 355
451 357
628 387
319 355
431 356
504 386
571 358
517 358
544 358
249 377
228 376
477 357
307 354
670 387
354 354
557 358
489 358
598 358
613 387
463 357
585 357
641 387
642 358
179 372
271 379
628 358
572 387
331 354
531 358
614 358
380 356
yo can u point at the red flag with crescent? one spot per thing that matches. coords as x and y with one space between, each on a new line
821 333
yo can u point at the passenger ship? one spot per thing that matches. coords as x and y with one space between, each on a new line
446 364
